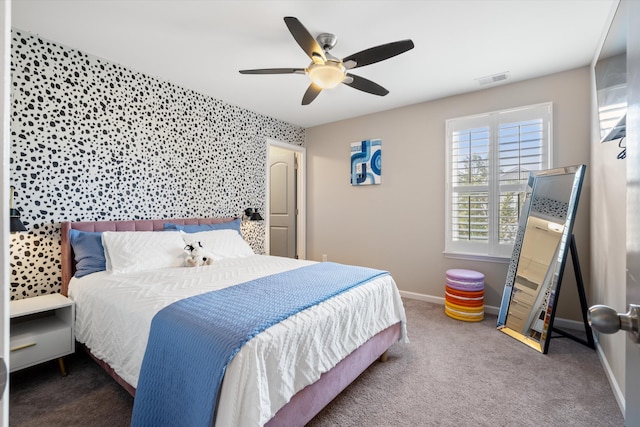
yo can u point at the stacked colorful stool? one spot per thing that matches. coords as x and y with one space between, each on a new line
464 295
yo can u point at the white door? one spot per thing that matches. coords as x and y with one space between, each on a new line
5 31
632 368
282 202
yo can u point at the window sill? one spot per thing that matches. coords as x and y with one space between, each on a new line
477 257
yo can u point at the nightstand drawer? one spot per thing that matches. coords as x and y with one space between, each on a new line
39 340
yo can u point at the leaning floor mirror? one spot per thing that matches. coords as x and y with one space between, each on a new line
540 253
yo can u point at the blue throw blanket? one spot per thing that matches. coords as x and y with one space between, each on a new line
192 340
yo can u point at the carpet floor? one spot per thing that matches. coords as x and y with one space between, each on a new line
452 373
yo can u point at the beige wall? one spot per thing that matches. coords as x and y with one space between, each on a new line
608 245
399 225
609 254
608 231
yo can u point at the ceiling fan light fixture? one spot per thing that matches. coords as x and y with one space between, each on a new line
327 75
327 71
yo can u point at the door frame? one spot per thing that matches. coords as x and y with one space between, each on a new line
301 198
5 79
632 350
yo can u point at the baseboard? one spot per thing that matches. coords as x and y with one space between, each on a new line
440 300
575 325
422 297
615 387
490 309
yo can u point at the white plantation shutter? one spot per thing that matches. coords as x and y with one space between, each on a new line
613 113
489 157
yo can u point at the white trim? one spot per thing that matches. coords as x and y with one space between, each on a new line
5 78
615 387
493 121
422 297
301 196
477 257
603 36
440 300
490 309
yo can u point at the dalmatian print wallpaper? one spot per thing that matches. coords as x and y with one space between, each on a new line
94 140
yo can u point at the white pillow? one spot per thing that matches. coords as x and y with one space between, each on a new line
131 251
220 243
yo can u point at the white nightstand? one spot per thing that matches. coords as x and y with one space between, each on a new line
41 330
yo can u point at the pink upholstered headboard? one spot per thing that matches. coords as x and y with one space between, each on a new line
68 261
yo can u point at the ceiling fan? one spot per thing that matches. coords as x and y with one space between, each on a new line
326 71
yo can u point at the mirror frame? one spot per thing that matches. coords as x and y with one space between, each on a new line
557 265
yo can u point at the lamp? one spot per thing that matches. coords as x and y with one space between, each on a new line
253 214
14 216
553 226
327 75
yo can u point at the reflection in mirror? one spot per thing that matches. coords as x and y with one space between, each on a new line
539 249
539 255
611 79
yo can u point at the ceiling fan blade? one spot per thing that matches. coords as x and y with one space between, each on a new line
312 92
304 39
274 71
377 54
365 85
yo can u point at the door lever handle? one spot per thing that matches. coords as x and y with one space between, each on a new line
606 320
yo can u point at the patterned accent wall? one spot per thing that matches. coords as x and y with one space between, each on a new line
93 140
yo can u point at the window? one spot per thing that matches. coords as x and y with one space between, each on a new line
489 157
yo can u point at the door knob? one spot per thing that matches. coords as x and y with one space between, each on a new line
606 320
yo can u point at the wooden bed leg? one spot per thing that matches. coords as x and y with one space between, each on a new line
63 371
384 357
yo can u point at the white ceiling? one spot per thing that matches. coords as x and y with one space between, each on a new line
201 45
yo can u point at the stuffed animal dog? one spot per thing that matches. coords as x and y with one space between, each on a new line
196 255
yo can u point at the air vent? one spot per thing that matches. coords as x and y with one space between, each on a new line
493 79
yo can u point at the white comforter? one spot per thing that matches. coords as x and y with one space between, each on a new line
114 312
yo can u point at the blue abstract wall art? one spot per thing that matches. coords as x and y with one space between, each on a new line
366 162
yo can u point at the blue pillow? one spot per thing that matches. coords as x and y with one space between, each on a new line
88 251
231 225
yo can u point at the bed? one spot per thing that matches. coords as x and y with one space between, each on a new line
260 387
